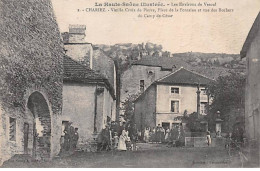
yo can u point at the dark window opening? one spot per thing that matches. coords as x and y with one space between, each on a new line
12 129
175 106
174 90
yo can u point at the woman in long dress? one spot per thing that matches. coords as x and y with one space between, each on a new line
146 135
167 132
122 140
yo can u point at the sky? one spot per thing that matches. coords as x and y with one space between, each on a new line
184 32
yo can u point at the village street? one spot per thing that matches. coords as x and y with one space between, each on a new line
148 155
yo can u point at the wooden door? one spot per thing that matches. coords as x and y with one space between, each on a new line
26 137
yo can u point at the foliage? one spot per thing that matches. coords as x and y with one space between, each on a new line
193 122
31 52
228 93
231 61
128 107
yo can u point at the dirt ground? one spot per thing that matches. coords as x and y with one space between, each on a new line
148 155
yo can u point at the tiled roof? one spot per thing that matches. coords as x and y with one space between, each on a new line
164 62
184 76
251 35
75 70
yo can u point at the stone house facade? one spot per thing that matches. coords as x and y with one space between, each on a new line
165 100
31 54
144 72
88 99
77 48
251 52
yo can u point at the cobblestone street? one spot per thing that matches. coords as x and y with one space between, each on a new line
148 155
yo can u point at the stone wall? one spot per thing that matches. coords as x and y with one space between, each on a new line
130 79
104 65
252 105
145 109
31 56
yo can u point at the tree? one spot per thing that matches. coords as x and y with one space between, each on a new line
128 107
228 93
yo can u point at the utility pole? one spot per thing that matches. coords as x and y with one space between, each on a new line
198 100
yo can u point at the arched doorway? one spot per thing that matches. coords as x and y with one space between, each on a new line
37 132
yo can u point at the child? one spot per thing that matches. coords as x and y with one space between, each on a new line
116 139
128 144
208 138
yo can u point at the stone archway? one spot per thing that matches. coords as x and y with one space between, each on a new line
39 128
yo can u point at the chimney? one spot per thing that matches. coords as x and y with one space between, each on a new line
77 33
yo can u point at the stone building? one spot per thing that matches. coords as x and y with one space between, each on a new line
88 99
31 54
144 72
79 49
166 99
251 51
148 69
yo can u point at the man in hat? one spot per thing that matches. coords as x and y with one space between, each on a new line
75 139
106 138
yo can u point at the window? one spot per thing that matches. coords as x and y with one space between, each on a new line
203 108
174 90
142 85
12 129
203 91
175 106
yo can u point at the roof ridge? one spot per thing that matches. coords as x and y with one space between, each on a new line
194 72
85 67
169 74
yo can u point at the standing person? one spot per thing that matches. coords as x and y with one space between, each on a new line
167 135
134 136
170 139
66 137
71 136
106 138
146 135
75 139
208 138
162 134
139 135
122 140
158 134
182 135
178 136
153 135
116 140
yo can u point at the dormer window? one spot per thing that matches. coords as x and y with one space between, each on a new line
175 90
150 72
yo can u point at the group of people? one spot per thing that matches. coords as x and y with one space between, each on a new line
118 136
173 137
71 137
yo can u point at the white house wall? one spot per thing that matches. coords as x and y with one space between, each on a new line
187 98
78 107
